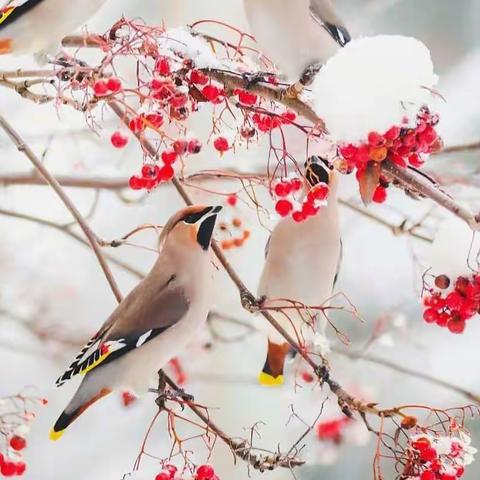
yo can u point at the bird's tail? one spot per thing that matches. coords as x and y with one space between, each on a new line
272 372
79 403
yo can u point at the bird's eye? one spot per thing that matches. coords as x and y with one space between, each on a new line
192 218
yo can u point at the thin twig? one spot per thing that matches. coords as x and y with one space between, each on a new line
22 147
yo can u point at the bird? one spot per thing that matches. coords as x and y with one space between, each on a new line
301 264
38 26
296 34
154 322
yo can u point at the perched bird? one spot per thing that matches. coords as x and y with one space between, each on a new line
38 26
301 264
154 322
296 34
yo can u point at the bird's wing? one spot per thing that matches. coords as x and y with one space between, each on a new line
324 13
150 309
14 9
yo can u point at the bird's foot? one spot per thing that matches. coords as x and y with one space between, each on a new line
309 73
323 372
250 303
173 395
70 67
252 79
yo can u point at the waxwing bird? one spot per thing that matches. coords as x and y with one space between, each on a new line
38 26
154 322
296 34
301 265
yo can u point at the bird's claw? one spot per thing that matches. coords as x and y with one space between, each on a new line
309 73
250 303
176 396
252 79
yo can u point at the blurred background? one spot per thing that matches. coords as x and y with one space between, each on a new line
53 296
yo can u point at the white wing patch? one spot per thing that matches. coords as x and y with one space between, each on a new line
143 338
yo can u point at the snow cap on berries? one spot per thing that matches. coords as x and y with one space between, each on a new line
373 84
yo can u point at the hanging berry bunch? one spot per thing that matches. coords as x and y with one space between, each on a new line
16 416
450 304
438 457
288 192
234 233
202 472
402 145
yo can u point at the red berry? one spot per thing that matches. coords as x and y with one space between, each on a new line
246 98
232 200
392 134
171 469
283 189
179 100
180 146
415 160
456 326
18 443
442 319
154 119
163 67
128 398
309 209
375 139
204 472
430 315
318 192
221 144
348 152
442 282
100 88
380 194
299 217
163 475
307 377
114 84
20 468
119 140
283 207
136 124
194 146
198 77
460 471
8 468
421 444
428 475
428 454
212 93
297 184
288 116
136 183
169 158
150 171
454 301
166 173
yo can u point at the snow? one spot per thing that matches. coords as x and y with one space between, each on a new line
372 84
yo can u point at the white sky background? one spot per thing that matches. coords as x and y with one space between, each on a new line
48 278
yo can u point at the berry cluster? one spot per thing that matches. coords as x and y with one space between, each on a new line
267 122
152 174
452 304
401 145
203 472
332 430
237 234
439 457
286 190
15 418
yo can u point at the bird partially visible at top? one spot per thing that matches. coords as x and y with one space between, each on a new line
302 262
296 34
154 322
38 26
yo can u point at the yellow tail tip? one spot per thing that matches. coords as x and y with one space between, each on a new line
270 381
54 436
